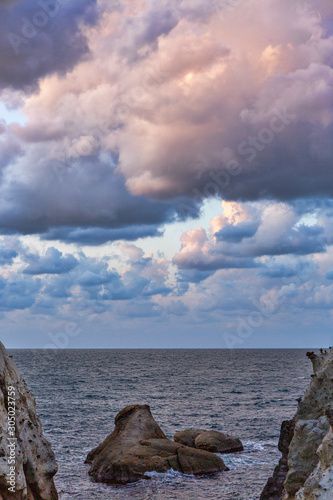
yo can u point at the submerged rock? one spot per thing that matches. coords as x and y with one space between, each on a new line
305 471
214 441
138 445
34 463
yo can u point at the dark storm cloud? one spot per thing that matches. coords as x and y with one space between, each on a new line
98 236
90 205
236 234
38 38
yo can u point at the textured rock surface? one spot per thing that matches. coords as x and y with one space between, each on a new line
319 485
214 441
302 471
35 463
138 445
274 489
218 442
187 437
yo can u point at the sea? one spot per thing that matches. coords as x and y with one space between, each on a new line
246 393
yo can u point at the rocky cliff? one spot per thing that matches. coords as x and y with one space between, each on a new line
27 462
305 471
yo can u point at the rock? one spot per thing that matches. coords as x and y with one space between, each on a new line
218 442
302 458
319 485
187 437
214 441
274 489
35 463
309 463
138 445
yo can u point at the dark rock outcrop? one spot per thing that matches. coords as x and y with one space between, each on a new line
305 470
34 463
274 489
138 445
214 441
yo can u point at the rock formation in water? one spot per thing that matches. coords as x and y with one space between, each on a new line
305 471
214 441
138 445
27 462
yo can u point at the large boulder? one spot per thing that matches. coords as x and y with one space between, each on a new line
305 469
22 444
218 442
138 445
214 441
187 437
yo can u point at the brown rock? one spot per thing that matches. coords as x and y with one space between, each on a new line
187 437
213 441
138 445
218 442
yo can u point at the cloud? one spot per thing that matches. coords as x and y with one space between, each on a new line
204 105
329 275
32 39
7 255
97 236
134 114
59 287
272 229
287 267
90 206
140 310
53 262
177 307
236 234
246 124
18 294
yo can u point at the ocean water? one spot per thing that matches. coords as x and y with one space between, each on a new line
246 393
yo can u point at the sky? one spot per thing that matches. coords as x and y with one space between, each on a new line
166 173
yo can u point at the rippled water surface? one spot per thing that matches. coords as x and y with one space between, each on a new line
245 392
